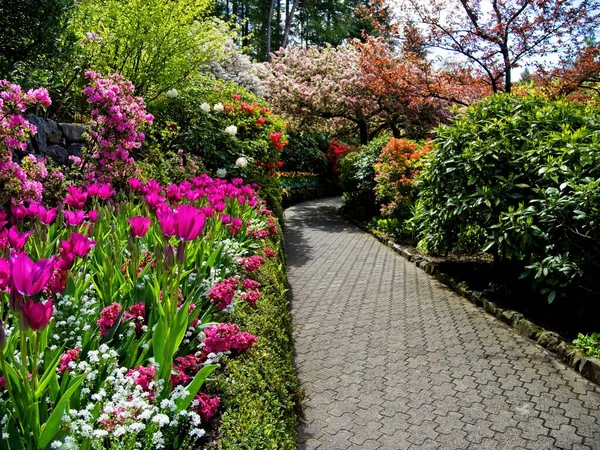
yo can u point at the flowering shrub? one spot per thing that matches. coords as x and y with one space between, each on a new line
107 310
395 170
117 118
19 182
231 130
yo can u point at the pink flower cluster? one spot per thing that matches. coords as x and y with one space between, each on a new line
117 117
225 337
207 406
222 294
66 359
143 377
108 318
253 263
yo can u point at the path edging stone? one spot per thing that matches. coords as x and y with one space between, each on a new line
560 348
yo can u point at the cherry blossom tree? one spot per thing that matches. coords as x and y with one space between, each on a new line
316 85
497 36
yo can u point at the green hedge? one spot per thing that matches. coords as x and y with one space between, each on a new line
261 392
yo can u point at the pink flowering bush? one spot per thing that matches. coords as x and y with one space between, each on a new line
19 182
117 120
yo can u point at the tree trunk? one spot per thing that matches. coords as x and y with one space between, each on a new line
364 132
288 24
270 29
395 131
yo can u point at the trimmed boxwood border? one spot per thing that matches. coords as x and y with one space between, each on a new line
563 350
260 393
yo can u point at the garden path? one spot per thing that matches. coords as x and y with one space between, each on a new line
392 359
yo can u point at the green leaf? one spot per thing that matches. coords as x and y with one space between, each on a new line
194 387
52 426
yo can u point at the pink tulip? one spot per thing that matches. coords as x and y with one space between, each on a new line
66 260
4 274
174 194
78 244
47 216
74 218
93 215
135 184
102 191
27 277
153 199
139 225
18 213
38 315
17 240
167 221
189 222
76 198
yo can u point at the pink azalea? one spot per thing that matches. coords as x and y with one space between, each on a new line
29 278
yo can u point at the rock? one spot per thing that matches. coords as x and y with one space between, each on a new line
39 141
527 328
489 306
73 133
59 154
549 340
75 149
53 133
590 368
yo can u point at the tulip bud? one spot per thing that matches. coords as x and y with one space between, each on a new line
169 261
2 337
159 252
181 252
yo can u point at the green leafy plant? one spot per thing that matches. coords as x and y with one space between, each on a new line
590 344
521 175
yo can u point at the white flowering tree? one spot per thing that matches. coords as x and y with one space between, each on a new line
321 86
236 67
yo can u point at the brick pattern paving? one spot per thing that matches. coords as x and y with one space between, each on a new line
392 359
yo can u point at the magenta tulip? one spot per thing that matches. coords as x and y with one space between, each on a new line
166 220
76 198
17 240
139 225
29 278
135 184
153 199
189 222
47 216
93 215
38 315
4 274
74 218
78 244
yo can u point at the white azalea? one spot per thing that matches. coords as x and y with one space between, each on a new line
172 93
241 162
205 107
231 130
221 173
218 107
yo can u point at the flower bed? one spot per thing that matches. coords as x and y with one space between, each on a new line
128 308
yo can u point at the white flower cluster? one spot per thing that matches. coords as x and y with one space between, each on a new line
74 317
130 415
236 67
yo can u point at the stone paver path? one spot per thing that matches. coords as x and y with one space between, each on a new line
392 359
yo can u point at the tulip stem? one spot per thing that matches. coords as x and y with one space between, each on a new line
36 347
23 350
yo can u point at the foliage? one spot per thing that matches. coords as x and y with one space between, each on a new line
156 44
231 130
397 166
357 177
414 93
107 310
34 36
320 88
496 38
306 152
590 344
524 172
265 379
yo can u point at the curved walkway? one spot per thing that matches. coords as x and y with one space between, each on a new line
392 359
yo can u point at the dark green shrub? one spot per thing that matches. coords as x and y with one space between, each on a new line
357 177
523 174
306 153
